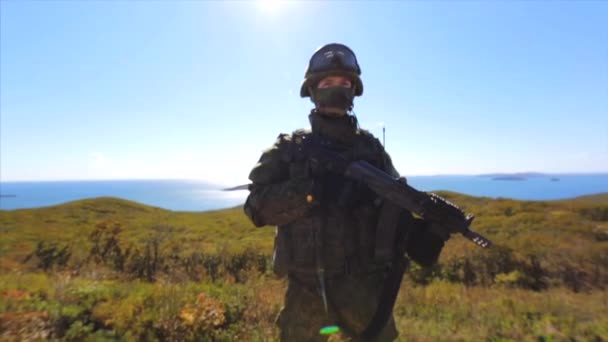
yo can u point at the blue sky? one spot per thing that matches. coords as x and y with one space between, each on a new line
194 89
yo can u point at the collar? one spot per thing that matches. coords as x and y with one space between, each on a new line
342 130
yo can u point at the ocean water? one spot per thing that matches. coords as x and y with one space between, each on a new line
546 187
184 195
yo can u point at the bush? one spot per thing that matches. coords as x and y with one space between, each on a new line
49 255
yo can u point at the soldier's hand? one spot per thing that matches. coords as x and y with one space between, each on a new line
440 231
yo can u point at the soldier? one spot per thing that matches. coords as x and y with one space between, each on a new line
337 242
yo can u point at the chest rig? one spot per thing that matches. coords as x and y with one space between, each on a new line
353 229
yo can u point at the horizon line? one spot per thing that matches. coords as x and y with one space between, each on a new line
519 173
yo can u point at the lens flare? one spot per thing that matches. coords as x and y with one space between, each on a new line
330 329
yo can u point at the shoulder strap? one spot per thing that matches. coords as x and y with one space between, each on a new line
392 283
386 302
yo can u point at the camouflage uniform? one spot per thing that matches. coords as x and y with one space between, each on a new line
316 210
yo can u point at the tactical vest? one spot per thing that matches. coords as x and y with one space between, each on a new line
354 236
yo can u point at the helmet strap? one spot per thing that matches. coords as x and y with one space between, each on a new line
353 118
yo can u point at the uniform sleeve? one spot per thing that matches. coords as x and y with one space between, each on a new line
275 198
388 165
423 247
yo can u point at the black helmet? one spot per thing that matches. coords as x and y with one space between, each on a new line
332 59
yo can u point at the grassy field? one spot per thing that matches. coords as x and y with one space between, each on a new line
112 269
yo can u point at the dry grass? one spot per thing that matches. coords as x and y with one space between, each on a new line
226 291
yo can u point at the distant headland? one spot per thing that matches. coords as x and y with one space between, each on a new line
515 175
509 178
519 176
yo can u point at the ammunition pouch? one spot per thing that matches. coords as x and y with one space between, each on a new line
386 231
392 232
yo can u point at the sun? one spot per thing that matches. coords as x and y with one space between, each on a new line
269 5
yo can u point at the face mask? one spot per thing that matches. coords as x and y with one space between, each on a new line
339 98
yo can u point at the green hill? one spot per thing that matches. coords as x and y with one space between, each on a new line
72 222
108 268
569 231
601 198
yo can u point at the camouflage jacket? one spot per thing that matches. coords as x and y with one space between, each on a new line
315 210
325 219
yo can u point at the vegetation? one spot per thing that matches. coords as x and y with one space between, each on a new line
112 269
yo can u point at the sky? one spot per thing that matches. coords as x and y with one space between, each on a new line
198 89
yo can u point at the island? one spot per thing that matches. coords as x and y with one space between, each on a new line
509 178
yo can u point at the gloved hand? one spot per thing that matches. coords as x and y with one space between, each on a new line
423 246
281 203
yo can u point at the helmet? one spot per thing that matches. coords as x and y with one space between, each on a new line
332 59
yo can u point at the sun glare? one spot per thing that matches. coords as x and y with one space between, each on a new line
269 5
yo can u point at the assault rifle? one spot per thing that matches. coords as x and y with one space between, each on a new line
445 217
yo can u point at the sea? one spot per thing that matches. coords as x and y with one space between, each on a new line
189 195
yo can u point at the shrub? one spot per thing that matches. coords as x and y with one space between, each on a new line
49 255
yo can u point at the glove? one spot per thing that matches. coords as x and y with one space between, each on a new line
424 247
281 203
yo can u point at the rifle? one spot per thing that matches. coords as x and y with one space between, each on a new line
444 216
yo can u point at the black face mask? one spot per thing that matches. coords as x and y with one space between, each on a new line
334 97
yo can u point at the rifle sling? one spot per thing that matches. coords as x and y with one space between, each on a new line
386 230
392 283
387 299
